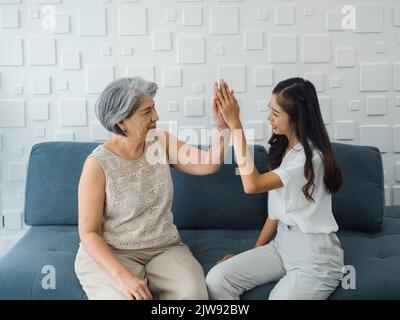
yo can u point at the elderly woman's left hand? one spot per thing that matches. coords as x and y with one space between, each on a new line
228 105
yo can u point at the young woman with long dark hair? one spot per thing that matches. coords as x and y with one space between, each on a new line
298 245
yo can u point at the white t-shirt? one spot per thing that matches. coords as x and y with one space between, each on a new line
289 204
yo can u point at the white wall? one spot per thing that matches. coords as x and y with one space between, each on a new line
49 80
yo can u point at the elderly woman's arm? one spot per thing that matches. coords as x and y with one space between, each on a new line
191 160
91 195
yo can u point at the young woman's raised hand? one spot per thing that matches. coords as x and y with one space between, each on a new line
227 105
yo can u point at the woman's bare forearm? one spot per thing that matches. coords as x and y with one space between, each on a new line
267 232
99 250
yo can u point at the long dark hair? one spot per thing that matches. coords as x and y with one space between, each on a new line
298 98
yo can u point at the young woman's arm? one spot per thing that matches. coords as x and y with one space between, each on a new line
253 181
267 232
191 160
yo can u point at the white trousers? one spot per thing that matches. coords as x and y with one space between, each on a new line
307 265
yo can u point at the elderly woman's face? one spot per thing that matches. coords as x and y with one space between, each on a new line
144 119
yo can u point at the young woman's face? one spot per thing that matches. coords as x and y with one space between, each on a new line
143 120
278 119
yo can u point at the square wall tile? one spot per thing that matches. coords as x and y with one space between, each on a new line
263 76
224 20
39 110
283 49
254 40
12 218
16 171
317 79
285 14
336 82
92 22
192 16
162 41
132 21
380 47
105 50
263 15
41 84
194 107
235 75
17 89
316 48
333 21
173 106
9 18
345 130
397 171
396 77
374 77
170 15
143 71
375 135
72 112
396 195
191 50
396 16
12 113
219 50
98 77
71 60
376 105
198 87
172 77
62 25
369 18
42 51
396 138
11 53
354 105
345 57
39 132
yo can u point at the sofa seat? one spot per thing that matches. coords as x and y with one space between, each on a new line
369 253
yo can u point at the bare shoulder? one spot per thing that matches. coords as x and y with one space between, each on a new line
92 171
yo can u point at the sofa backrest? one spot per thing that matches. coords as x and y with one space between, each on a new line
213 202
360 203
51 192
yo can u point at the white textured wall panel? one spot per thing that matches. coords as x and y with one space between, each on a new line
51 78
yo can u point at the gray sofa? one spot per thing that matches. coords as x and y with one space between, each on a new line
214 217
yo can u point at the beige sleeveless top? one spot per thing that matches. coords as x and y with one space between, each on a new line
138 200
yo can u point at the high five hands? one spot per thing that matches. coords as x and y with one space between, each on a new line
226 105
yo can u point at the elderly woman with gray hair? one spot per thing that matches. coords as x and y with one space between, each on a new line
130 248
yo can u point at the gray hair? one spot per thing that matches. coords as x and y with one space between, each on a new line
120 100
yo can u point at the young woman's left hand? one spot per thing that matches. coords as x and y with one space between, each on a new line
227 105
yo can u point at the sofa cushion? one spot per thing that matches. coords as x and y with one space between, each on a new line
359 204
